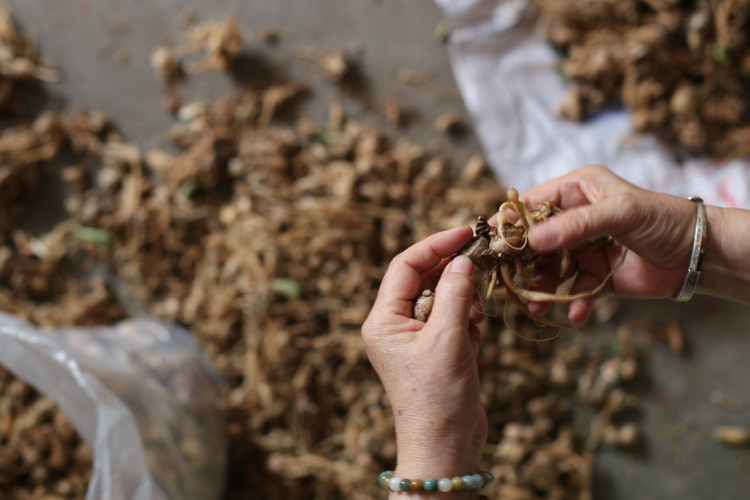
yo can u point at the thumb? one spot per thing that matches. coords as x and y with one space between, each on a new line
578 225
454 295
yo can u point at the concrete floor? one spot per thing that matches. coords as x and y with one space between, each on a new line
103 47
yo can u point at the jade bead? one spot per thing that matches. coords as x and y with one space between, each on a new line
384 477
469 482
417 485
445 484
430 484
405 485
394 483
457 483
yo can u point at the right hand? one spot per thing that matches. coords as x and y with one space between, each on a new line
429 370
657 230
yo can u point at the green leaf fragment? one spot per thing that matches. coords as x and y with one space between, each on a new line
327 138
94 234
187 188
719 55
286 287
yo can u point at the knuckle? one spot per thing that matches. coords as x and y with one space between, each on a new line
585 223
395 262
593 169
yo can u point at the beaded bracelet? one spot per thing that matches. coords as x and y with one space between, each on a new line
484 478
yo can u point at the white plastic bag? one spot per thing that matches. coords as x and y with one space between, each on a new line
141 393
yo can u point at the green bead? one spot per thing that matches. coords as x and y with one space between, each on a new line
458 483
405 484
430 484
383 478
469 482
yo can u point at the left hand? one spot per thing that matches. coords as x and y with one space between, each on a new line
655 229
429 370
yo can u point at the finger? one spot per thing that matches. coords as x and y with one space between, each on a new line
510 216
430 280
574 227
454 296
402 281
476 315
579 187
539 308
475 339
580 310
564 191
549 277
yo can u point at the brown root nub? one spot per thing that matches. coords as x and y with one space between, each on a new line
476 249
423 307
508 242
483 227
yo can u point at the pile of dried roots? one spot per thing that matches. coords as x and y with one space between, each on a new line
41 455
682 68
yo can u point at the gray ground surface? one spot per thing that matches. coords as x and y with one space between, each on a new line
103 46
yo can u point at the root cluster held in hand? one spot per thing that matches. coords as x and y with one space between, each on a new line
502 252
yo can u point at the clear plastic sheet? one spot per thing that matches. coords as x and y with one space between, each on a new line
141 393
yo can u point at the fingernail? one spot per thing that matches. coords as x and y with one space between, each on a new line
463 265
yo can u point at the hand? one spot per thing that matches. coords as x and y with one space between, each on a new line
429 370
657 230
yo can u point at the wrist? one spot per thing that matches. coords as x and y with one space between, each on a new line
440 464
450 447
449 453
726 269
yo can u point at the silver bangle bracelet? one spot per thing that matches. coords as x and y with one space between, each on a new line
696 257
